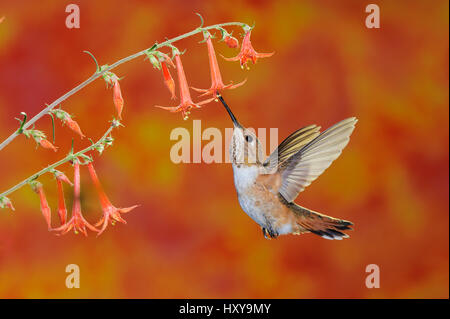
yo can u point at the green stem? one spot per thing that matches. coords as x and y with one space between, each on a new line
97 74
69 157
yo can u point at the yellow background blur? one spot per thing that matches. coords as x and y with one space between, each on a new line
189 237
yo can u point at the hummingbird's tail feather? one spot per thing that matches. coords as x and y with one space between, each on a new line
319 224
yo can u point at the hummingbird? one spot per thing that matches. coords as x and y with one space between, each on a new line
267 188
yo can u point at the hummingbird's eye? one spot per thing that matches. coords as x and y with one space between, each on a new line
248 138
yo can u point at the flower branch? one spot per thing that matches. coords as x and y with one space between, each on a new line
100 72
99 145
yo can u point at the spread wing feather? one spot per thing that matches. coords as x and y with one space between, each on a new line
291 145
311 160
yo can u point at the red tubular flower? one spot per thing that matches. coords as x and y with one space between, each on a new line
231 41
117 98
248 52
168 80
109 211
45 209
186 103
77 222
216 77
62 211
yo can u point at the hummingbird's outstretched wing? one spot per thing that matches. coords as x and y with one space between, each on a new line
291 145
302 168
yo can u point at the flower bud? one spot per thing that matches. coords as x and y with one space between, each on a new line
5 202
62 177
46 144
39 138
117 98
154 61
231 41
66 119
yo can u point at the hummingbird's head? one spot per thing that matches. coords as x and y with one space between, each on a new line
245 148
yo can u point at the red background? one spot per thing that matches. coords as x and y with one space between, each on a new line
189 237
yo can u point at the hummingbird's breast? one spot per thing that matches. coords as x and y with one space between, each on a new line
259 200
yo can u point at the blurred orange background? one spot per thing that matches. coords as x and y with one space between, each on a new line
189 238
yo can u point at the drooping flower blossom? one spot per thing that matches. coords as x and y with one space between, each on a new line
6 202
62 211
231 41
216 77
45 208
113 81
77 222
248 52
68 120
186 103
110 213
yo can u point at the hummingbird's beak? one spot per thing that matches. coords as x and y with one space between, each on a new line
235 122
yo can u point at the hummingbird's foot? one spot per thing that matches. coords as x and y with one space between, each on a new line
269 233
264 231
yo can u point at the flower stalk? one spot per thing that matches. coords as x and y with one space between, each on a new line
111 214
101 72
